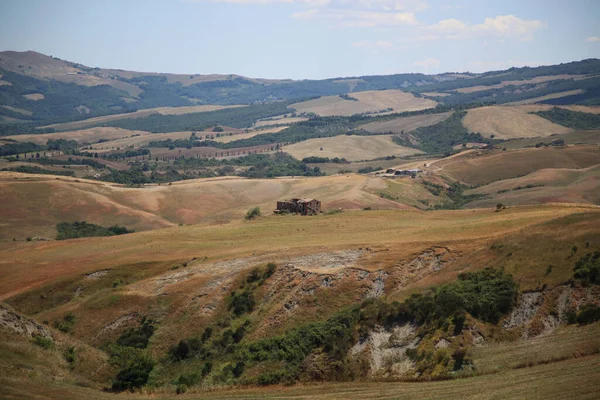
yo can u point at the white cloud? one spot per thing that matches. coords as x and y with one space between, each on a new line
501 27
386 5
593 39
509 26
427 64
358 18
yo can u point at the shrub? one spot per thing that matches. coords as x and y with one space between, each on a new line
253 213
206 368
241 302
486 295
134 367
70 355
43 342
66 324
137 337
67 230
588 314
188 379
207 333
134 375
270 270
587 269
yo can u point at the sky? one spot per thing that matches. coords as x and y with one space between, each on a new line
304 39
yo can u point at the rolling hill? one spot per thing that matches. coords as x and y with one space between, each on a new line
377 102
352 148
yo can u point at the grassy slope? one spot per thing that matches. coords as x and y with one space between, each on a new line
27 265
554 185
35 204
482 167
352 148
575 137
509 122
405 124
91 135
136 114
369 101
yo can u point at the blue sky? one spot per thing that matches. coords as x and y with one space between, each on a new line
304 38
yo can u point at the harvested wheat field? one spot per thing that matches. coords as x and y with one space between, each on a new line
34 96
405 124
506 122
350 147
136 114
279 121
552 185
537 79
247 135
478 167
546 97
84 136
372 101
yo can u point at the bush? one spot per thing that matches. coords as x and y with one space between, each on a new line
43 342
253 213
486 295
137 337
587 269
72 230
70 355
134 367
66 324
241 302
134 375
588 314
207 333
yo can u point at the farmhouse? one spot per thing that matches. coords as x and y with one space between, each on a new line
403 172
299 206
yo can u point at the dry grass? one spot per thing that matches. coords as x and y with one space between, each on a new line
546 97
584 109
571 138
247 135
566 342
334 168
18 110
280 121
571 379
479 167
537 79
509 122
554 185
434 94
350 147
34 204
45 67
82 136
29 264
136 114
369 101
405 124
34 96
